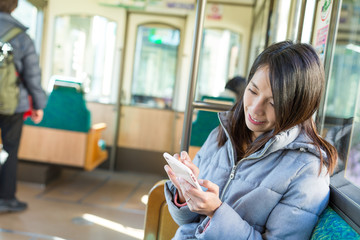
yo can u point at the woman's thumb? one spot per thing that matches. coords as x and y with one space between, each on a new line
212 187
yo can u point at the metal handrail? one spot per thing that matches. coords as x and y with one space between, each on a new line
214 107
198 32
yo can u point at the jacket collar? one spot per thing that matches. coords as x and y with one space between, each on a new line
7 22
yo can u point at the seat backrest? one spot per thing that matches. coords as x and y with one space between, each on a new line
159 224
66 109
206 121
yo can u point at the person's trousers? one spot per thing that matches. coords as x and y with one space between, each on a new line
11 127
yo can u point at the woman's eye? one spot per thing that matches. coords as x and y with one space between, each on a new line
271 103
251 91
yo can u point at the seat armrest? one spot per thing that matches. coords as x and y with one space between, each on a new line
98 126
94 153
159 224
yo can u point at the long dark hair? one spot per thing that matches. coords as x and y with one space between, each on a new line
297 80
8 6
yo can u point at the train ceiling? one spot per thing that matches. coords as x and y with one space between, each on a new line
183 4
143 4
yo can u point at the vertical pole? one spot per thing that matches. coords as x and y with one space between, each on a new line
328 62
301 20
118 105
198 32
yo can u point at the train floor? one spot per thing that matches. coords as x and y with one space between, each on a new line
81 206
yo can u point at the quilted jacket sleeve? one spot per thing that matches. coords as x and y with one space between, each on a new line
294 217
181 215
30 72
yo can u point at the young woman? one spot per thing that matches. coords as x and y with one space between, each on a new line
265 169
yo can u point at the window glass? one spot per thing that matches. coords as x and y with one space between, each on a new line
352 167
219 61
342 105
86 55
343 90
155 64
308 21
26 13
31 17
280 21
260 31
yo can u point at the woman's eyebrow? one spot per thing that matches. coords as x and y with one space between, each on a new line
254 85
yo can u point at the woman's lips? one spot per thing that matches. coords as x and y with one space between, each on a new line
253 121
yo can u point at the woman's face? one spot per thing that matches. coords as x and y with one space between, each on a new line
259 104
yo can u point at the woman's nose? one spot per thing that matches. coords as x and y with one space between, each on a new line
258 107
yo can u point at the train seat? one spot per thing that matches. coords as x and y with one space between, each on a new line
65 136
331 226
159 224
205 122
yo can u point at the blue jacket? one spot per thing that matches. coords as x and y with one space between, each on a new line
275 193
27 64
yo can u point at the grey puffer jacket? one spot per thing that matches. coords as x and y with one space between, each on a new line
27 64
275 193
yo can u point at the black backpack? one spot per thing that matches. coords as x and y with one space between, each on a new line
9 81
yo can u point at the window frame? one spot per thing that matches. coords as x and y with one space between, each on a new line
343 193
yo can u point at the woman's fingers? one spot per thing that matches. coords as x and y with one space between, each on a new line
185 189
185 156
185 159
203 202
212 187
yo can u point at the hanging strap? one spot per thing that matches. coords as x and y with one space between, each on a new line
10 34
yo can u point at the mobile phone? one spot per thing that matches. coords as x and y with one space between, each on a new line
181 170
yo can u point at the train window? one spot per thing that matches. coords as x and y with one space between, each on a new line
352 167
308 21
155 64
260 30
280 21
342 113
219 61
32 17
86 54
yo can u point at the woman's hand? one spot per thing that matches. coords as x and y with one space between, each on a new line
172 176
185 159
205 203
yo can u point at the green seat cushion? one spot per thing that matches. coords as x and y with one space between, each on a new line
66 109
332 226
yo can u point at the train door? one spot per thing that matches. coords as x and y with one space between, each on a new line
90 54
149 124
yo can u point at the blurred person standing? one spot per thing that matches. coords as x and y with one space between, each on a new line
28 70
